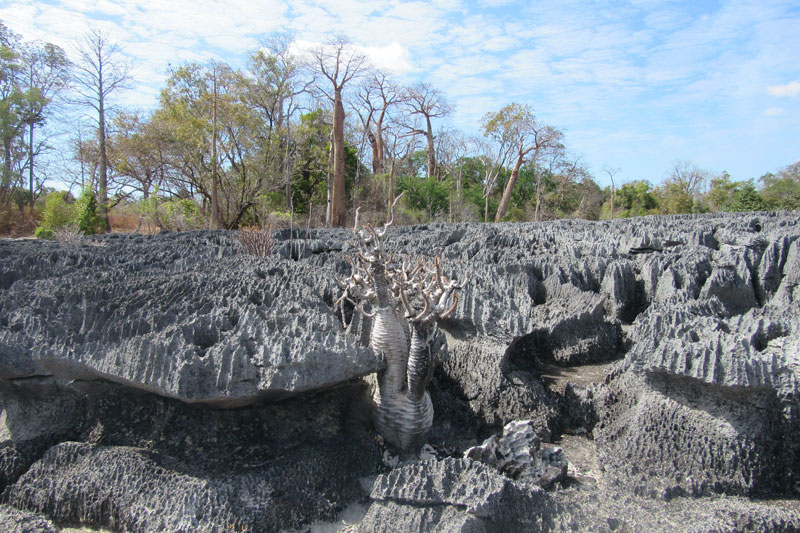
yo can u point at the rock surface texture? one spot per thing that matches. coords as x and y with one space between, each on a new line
173 383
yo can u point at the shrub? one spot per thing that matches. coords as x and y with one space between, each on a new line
257 241
69 235
44 233
87 219
57 211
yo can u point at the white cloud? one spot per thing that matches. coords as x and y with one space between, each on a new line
789 89
774 111
393 57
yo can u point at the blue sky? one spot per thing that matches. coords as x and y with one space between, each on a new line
635 85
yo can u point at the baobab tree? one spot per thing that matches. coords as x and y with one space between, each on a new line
99 72
377 95
426 103
338 62
526 139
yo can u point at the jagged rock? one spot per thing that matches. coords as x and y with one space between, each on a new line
519 453
24 522
143 463
183 315
114 358
454 495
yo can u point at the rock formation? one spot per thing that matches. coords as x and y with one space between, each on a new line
174 383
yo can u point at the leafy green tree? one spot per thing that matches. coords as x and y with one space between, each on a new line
425 194
212 144
12 110
46 73
633 199
675 198
86 215
58 212
746 198
525 138
720 192
782 191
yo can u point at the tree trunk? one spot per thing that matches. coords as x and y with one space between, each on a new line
512 180
214 179
538 197
612 198
373 143
378 164
430 151
329 201
102 181
338 206
30 162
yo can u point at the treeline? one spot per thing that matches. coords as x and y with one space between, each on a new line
303 137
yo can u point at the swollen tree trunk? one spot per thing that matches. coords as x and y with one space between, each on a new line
338 207
512 180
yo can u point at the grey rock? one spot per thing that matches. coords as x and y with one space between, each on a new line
519 453
24 522
454 495
114 360
182 315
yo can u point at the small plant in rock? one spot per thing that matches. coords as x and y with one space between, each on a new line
69 235
257 241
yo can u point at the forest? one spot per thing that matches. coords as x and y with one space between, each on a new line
297 137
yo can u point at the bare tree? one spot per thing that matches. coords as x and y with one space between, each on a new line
338 62
399 147
374 100
493 156
100 72
692 179
611 173
426 103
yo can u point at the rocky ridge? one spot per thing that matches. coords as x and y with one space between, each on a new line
174 383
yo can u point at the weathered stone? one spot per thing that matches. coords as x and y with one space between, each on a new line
113 360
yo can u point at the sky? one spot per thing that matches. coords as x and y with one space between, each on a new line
634 85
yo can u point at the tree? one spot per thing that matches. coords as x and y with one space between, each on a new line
516 126
374 100
426 103
274 87
746 198
782 191
212 141
338 62
491 158
720 192
99 73
137 151
12 106
46 73
611 173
